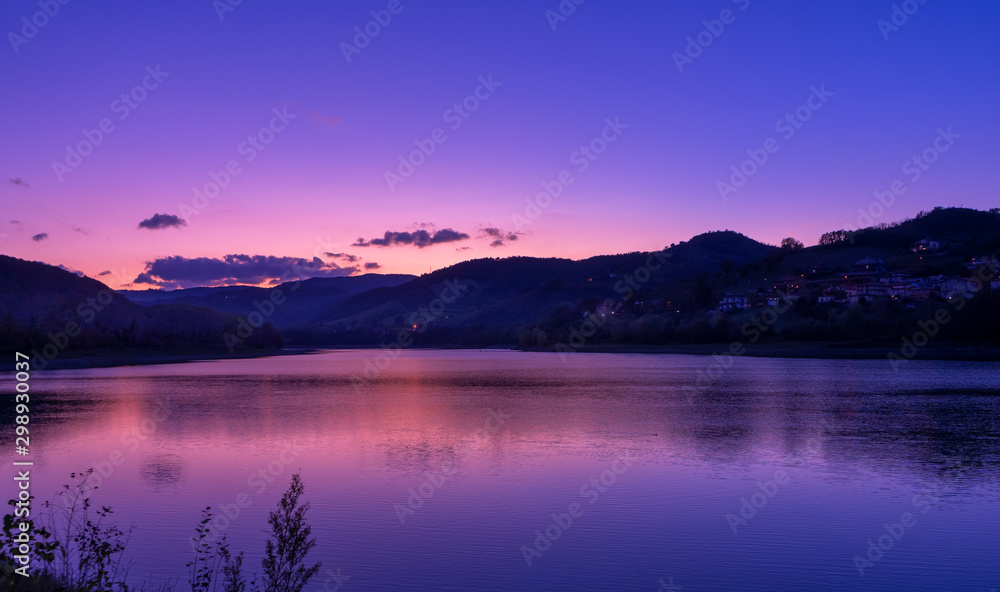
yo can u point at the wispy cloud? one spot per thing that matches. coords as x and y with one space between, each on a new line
40 236
500 237
418 238
18 181
162 221
342 256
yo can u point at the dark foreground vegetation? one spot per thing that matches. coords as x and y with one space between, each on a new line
76 547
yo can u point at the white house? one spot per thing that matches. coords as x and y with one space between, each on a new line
925 244
733 302
869 292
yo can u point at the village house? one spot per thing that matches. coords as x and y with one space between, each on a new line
990 262
733 302
832 296
773 298
925 244
868 293
789 283
955 287
894 278
919 291
869 265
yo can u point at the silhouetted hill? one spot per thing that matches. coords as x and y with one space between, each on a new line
972 231
500 295
663 297
301 302
52 311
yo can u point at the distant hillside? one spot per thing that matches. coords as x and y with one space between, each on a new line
970 231
540 302
302 301
42 306
501 295
671 296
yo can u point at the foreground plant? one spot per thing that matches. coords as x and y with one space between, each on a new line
74 548
77 551
288 544
212 560
215 568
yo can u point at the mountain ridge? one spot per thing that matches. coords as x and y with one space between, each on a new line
666 296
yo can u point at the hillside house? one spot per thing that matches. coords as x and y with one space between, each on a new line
869 265
925 244
733 302
990 262
789 283
895 278
919 291
955 287
868 293
832 296
773 298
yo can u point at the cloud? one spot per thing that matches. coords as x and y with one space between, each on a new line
372 265
342 256
162 221
181 272
103 273
40 236
18 181
500 237
418 238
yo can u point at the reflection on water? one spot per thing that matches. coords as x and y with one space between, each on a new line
436 474
162 470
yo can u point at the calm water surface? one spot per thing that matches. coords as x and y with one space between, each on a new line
441 471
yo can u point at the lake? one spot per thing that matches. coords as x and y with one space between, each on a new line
502 470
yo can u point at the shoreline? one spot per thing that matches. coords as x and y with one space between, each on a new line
819 351
120 360
800 350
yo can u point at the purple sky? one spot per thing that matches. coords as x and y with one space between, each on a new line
314 192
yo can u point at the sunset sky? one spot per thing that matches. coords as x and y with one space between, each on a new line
336 119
